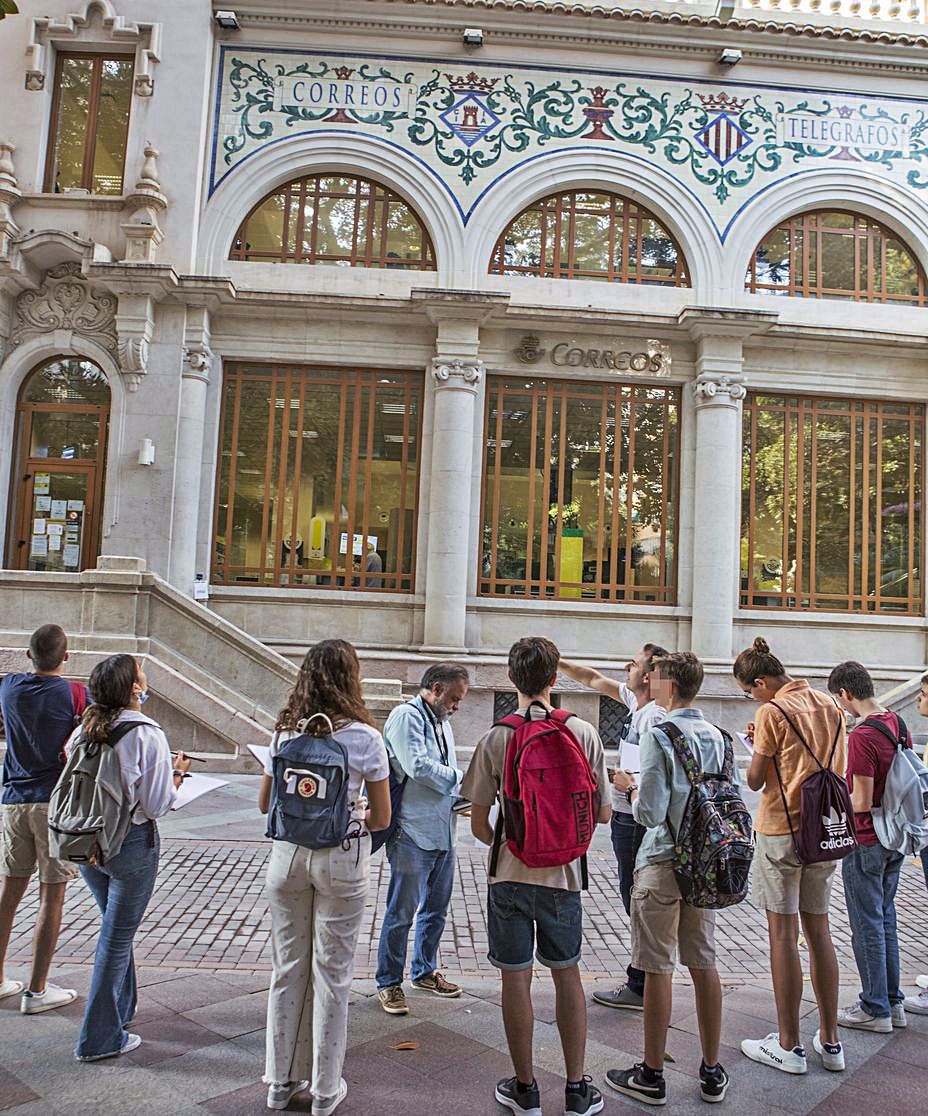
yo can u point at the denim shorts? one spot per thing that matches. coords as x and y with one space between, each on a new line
517 912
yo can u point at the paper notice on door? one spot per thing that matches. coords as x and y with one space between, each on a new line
44 504
75 505
54 542
42 484
54 529
39 546
71 555
38 526
59 509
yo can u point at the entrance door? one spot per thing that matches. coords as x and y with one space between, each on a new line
57 490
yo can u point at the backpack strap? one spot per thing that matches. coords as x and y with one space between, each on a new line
802 739
682 749
78 698
899 742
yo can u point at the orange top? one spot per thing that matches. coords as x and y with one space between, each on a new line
817 717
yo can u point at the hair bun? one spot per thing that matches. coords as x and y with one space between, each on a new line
761 646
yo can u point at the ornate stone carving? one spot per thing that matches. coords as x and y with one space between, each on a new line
143 233
725 389
9 196
66 301
197 362
135 323
457 372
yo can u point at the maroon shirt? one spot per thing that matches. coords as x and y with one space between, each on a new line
869 753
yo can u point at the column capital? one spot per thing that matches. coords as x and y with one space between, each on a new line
719 390
457 373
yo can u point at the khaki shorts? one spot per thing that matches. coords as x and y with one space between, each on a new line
780 884
25 845
661 922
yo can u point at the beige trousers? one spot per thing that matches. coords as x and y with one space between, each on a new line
316 899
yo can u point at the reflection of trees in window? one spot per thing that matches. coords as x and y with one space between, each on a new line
585 235
337 219
317 477
580 490
831 254
831 505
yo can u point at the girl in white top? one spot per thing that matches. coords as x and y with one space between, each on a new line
317 896
123 885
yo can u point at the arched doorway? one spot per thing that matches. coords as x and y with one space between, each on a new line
62 418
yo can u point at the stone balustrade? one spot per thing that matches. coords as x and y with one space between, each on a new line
819 13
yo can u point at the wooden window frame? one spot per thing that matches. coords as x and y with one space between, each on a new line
539 399
800 415
90 137
290 380
558 208
367 194
803 227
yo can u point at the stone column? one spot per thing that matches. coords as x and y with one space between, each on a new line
718 390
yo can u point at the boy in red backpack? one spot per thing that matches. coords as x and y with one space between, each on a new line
549 770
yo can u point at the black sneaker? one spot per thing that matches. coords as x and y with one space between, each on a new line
713 1083
631 1082
586 1100
515 1099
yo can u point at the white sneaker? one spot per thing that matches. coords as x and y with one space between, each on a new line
768 1052
832 1055
10 988
922 981
917 1005
856 1016
898 1016
280 1093
323 1107
53 997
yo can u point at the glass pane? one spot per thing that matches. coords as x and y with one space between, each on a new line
75 81
67 381
832 503
59 508
264 231
771 261
901 270
112 125
838 262
67 435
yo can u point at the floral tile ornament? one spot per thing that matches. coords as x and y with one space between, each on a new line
469 128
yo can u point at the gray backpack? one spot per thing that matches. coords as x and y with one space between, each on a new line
901 819
89 814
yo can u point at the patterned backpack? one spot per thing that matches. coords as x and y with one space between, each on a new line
713 853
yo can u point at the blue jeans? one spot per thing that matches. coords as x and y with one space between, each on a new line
626 840
420 880
122 888
871 876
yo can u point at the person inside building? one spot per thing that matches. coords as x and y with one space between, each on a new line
317 896
535 913
788 890
39 710
421 850
122 886
644 712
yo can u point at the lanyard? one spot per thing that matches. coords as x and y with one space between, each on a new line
438 731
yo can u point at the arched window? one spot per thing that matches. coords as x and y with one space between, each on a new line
582 234
335 218
832 254
61 428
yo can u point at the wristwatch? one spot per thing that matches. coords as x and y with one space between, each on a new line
628 793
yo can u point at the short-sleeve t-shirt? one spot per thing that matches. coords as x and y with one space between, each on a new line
481 785
819 720
367 755
870 754
38 716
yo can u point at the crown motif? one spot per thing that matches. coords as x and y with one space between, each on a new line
721 102
845 111
471 83
343 73
834 822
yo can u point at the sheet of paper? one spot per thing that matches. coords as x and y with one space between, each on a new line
745 741
630 757
42 484
260 752
38 526
54 528
494 814
44 504
75 505
54 542
39 546
195 786
59 509
72 554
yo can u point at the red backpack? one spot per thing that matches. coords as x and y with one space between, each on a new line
549 797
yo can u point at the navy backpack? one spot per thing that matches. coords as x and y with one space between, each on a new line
309 800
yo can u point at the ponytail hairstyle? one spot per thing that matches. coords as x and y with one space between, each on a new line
110 687
758 661
329 683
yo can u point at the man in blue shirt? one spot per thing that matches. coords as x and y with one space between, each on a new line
39 712
421 851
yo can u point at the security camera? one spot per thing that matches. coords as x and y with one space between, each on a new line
730 57
227 20
473 36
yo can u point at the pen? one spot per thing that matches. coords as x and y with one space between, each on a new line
193 759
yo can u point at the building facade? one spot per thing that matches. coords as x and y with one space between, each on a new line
431 325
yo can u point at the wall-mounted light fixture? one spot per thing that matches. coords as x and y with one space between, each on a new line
473 36
227 20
